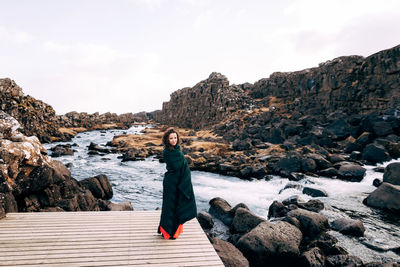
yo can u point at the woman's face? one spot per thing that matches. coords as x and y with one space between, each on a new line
173 139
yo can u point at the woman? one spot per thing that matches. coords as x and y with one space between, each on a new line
179 205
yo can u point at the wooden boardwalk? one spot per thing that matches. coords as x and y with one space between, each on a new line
110 238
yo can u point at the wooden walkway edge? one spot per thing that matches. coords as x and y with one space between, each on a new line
107 238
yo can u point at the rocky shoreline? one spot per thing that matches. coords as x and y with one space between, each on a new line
295 234
32 181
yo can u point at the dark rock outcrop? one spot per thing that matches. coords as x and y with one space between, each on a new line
348 226
32 181
277 244
207 103
386 196
36 117
221 209
392 173
205 220
244 221
229 254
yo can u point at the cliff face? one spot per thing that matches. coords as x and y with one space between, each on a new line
36 117
352 84
205 104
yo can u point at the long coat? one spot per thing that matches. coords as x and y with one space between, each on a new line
179 205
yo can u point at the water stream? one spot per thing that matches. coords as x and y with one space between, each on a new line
140 182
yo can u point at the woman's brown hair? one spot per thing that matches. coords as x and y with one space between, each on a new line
165 138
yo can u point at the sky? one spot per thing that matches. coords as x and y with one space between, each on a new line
130 55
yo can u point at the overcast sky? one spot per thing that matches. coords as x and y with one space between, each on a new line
130 55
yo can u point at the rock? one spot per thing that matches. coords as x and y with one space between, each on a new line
96 147
343 260
229 254
292 200
334 158
291 185
99 186
244 221
394 150
329 172
239 145
276 244
382 128
392 174
312 223
205 220
380 169
277 209
61 150
314 205
348 226
327 244
386 196
351 172
375 154
364 139
356 155
377 182
221 210
123 206
312 258
308 165
288 165
339 129
322 163
240 205
314 192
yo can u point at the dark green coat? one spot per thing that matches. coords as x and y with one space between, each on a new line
179 204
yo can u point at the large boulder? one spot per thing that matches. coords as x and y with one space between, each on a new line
277 209
311 223
348 226
352 172
374 153
99 186
220 209
386 196
205 220
244 221
392 173
229 254
314 192
271 244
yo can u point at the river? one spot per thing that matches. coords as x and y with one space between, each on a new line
140 182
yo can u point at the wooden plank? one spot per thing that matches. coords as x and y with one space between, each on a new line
132 259
99 239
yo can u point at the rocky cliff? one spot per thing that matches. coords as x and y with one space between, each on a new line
351 84
205 104
36 117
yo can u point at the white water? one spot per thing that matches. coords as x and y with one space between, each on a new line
140 182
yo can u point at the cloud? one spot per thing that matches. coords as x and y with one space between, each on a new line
15 36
